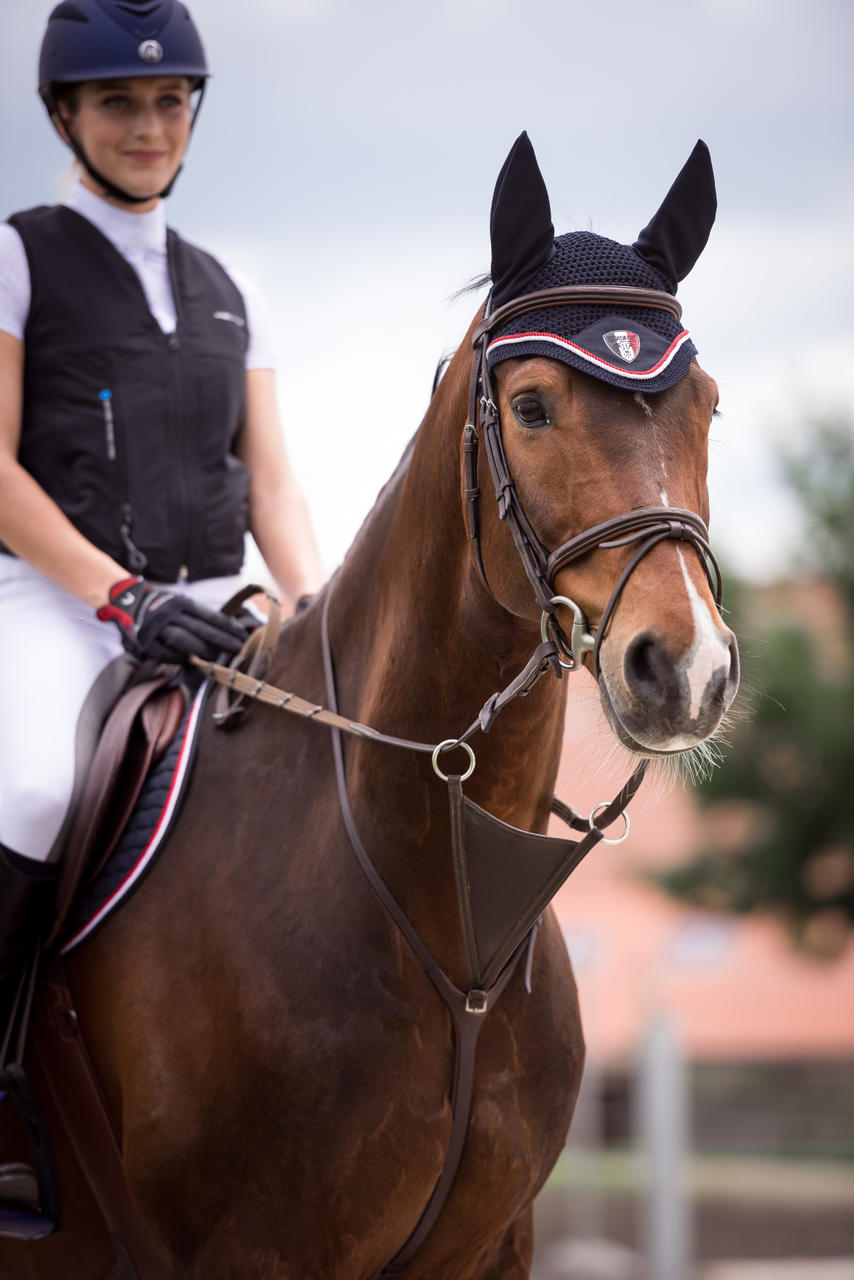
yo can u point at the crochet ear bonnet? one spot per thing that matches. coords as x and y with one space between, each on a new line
637 348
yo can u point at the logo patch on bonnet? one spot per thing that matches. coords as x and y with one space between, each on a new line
623 343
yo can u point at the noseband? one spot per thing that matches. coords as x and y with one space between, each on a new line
647 526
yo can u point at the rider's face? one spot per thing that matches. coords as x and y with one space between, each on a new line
133 131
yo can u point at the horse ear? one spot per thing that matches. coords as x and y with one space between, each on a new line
520 224
674 239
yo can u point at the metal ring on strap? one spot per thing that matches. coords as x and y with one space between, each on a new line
446 746
580 637
591 822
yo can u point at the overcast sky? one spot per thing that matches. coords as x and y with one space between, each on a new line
346 156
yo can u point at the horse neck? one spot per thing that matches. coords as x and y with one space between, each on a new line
420 644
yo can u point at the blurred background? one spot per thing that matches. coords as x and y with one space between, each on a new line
345 157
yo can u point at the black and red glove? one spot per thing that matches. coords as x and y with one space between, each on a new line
167 627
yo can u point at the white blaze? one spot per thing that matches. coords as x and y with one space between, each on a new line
710 650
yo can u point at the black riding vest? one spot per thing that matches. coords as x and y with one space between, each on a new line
132 431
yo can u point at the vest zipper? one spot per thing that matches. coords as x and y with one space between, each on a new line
185 474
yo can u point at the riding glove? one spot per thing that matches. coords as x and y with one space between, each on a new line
167 627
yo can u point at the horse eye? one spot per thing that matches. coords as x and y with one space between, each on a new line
530 412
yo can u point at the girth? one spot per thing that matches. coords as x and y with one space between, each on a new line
647 526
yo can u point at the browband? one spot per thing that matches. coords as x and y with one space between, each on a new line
577 295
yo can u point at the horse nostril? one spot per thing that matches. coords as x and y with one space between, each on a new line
647 668
723 683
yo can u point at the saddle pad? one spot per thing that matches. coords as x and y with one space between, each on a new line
145 833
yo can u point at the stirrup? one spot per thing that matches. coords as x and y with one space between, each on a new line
30 1206
18 1187
20 1216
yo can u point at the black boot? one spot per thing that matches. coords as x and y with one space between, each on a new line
26 894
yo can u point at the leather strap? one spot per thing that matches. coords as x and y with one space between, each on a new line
545 656
256 655
653 525
467 1009
255 689
458 851
581 295
69 1075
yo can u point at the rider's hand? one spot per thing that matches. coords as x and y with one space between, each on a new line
167 627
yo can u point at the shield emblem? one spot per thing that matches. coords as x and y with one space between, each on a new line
623 343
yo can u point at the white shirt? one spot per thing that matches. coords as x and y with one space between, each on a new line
141 240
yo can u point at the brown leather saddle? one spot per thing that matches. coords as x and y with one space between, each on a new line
135 735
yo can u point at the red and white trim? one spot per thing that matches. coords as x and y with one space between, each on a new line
638 375
157 835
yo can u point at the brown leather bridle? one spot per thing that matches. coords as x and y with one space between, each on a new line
647 526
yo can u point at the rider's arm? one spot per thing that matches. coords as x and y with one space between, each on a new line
278 513
31 524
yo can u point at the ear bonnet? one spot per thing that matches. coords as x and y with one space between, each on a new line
639 348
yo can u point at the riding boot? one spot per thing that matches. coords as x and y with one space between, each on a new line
26 893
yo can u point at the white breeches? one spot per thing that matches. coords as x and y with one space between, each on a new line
52 649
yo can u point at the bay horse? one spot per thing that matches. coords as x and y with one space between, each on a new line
281 1063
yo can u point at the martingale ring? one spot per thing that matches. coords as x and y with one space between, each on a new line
580 638
591 822
445 746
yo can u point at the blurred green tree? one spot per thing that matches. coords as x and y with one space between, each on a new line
780 810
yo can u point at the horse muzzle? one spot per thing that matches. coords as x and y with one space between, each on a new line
658 704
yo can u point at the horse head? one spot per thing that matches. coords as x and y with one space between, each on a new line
596 416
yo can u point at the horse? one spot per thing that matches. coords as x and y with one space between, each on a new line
271 1041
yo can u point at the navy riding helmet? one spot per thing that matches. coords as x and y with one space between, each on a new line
118 39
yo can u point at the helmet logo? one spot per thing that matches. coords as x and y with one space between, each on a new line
623 343
150 51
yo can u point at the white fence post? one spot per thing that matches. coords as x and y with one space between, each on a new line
662 1116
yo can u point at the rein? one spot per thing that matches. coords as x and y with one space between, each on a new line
249 686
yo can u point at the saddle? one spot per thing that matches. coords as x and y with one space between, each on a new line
134 738
137 733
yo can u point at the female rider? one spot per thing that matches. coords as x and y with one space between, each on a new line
139 433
